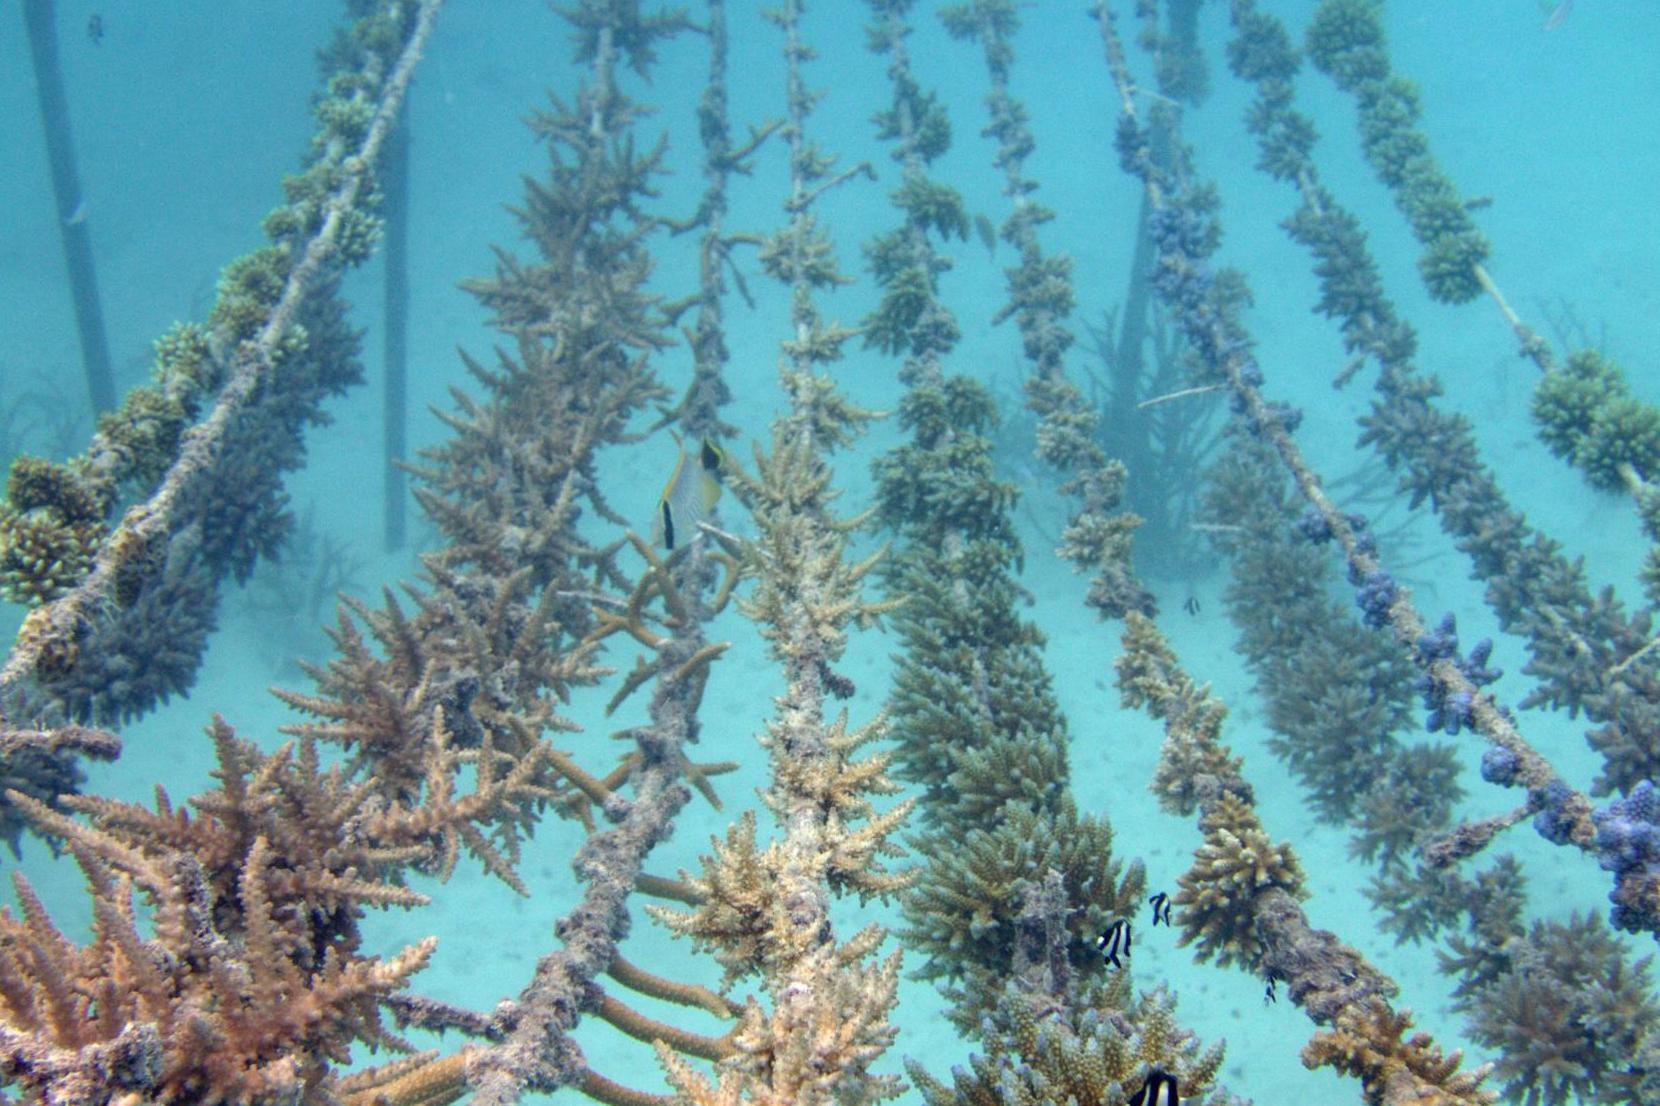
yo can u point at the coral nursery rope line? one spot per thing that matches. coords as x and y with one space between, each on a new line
51 629
1533 770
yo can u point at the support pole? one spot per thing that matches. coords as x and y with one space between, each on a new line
394 182
40 17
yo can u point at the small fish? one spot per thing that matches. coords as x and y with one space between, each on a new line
1191 606
95 29
1159 1090
1271 992
78 216
1114 939
690 495
988 234
1559 15
1161 908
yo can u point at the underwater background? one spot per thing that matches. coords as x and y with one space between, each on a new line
187 116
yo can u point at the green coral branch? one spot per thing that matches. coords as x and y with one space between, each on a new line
1346 42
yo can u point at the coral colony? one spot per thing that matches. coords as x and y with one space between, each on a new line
226 960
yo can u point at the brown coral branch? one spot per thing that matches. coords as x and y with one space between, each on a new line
641 674
430 1013
676 890
604 1089
636 978
766 909
596 790
97 744
698 774
1367 1042
426 1079
729 580
251 984
641 1028
700 661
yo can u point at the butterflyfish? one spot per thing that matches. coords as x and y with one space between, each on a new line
690 495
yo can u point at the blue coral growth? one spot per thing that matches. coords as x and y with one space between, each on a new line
1376 595
1449 710
1628 844
1499 765
1552 821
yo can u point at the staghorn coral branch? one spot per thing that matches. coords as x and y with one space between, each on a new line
97 744
641 674
431 1013
601 1088
676 890
698 663
642 1028
537 1052
768 910
423 1080
636 978
598 793
91 842
250 984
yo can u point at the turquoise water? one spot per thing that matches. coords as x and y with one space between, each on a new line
187 115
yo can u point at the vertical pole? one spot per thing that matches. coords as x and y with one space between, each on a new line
40 17
394 178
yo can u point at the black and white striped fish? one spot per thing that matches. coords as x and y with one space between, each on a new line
1159 1090
1114 940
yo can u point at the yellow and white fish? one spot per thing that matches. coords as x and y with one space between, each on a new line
692 491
